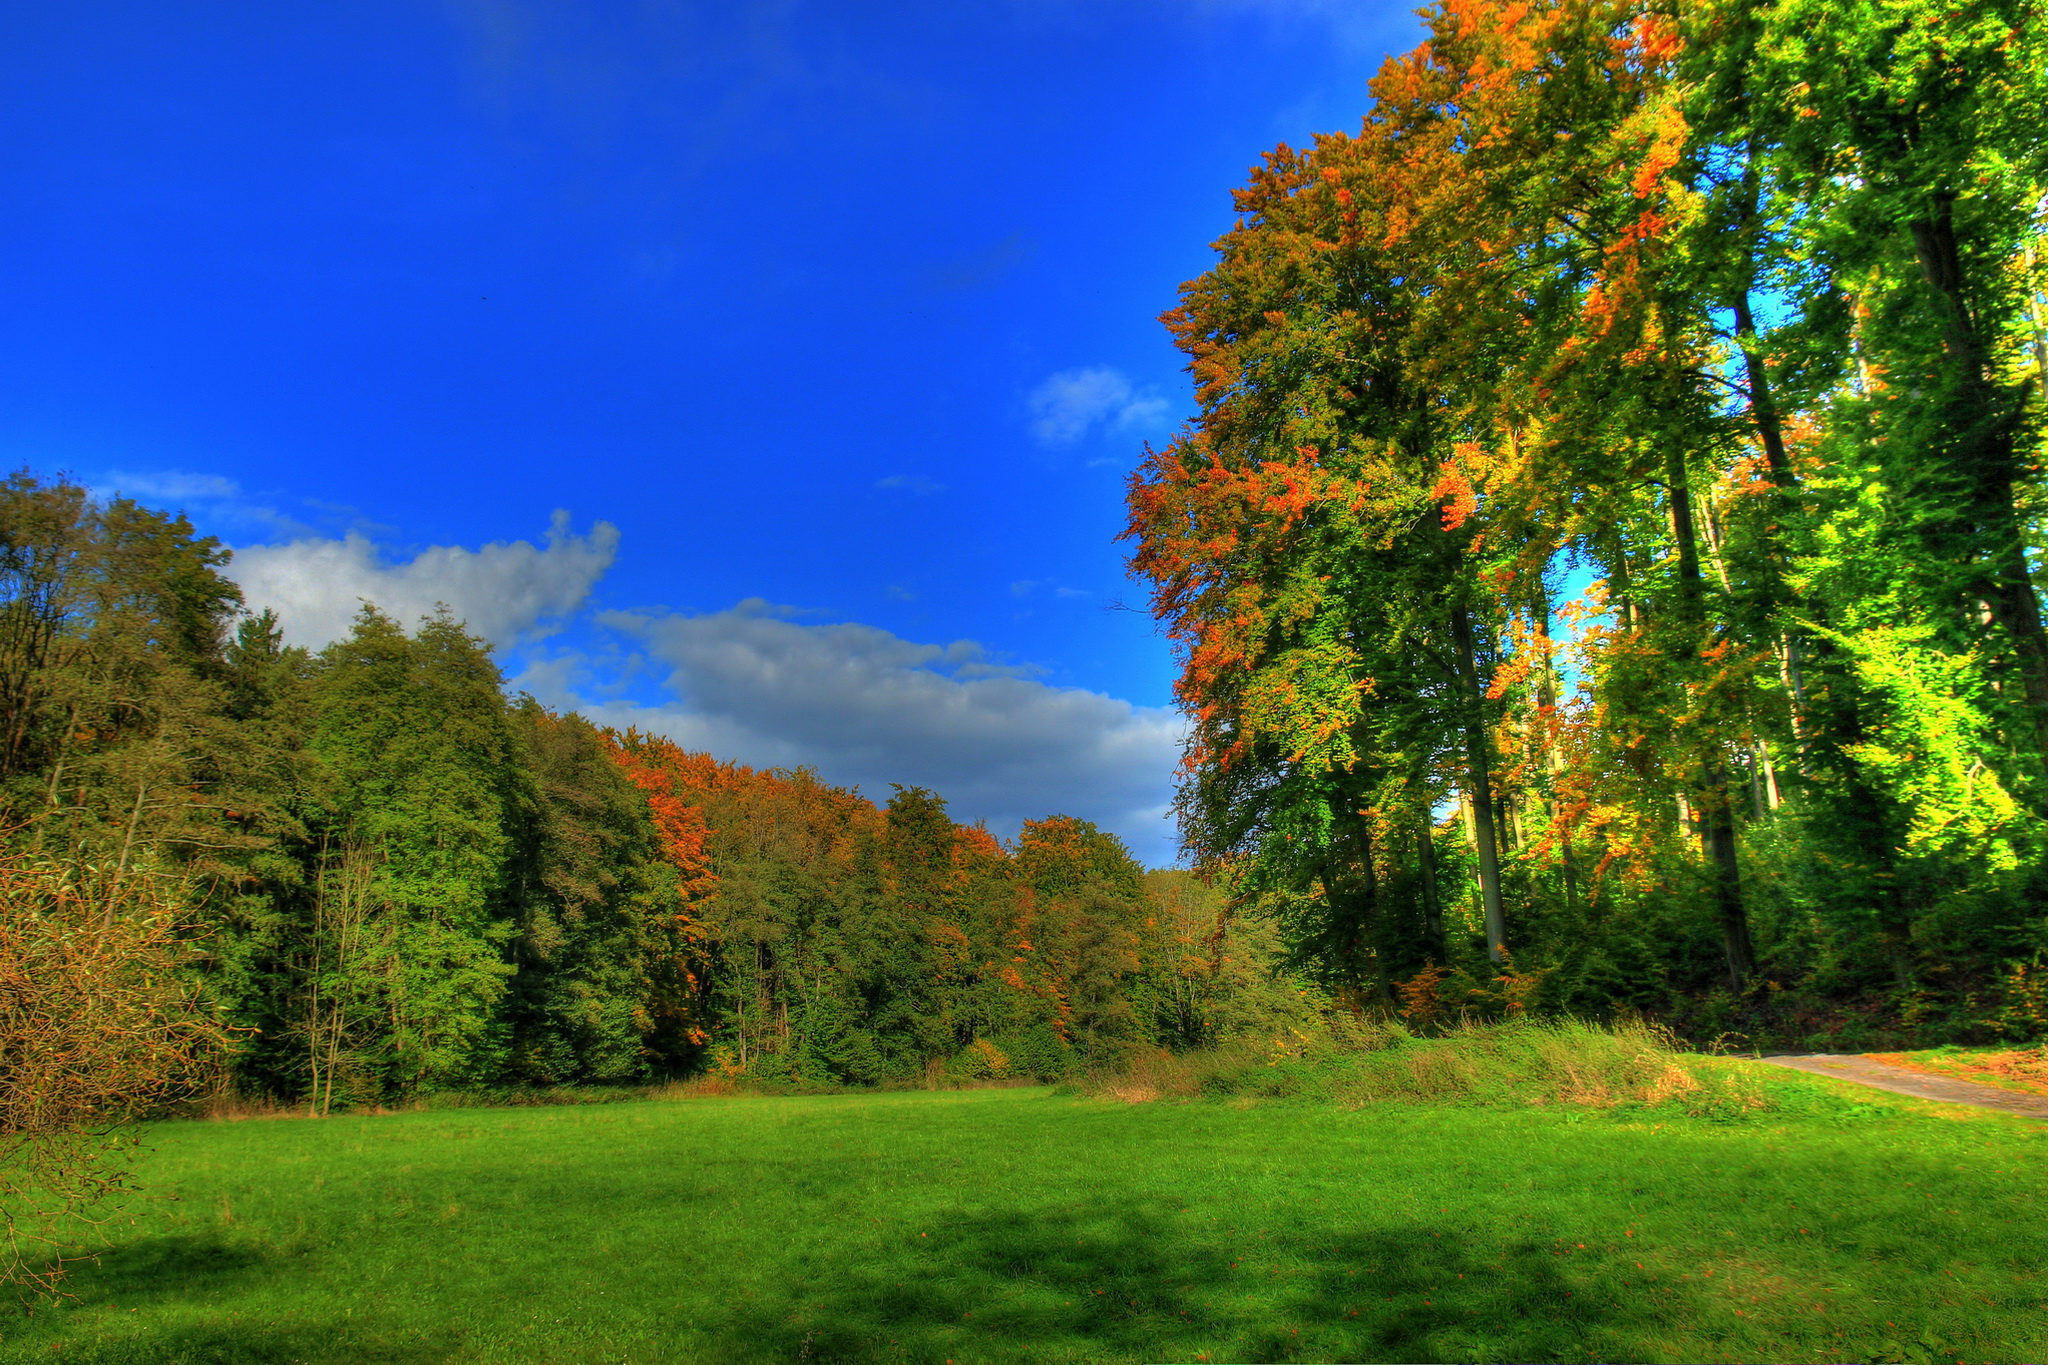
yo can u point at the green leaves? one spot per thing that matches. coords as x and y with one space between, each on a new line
1735 312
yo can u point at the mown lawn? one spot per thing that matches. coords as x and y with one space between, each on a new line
1028 1225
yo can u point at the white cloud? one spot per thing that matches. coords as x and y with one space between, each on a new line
1026 587
1072 403
868 708
503 590
762 684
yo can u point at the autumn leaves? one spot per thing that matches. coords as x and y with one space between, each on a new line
1567 318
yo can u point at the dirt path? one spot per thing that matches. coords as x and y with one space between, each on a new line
1879 1076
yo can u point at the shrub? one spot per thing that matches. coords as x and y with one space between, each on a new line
1038 1053
980 1060
1519 1061
98 1026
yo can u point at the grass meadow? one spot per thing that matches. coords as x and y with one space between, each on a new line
1031 1224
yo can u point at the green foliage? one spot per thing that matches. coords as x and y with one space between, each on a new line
1736 312
415 733
593 891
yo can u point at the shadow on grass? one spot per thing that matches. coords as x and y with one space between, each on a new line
93 1324
1101 1282
160 1268
1132 1283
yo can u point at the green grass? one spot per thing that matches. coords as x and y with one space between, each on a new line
1031 1225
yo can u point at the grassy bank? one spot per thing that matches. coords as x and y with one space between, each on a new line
1027 1225
1565 1062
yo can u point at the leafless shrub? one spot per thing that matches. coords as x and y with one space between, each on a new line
99 1025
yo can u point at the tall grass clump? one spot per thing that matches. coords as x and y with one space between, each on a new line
1352 1061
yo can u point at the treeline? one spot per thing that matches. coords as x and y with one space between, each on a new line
400 880
1604 561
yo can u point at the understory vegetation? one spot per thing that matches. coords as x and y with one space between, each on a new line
1522 1062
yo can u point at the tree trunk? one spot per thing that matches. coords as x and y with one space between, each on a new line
1432 903
1553 761
1717 841
1479 775
1619 592
2040 323
1982 431
1763 404
1351 888
1765 417
1716 808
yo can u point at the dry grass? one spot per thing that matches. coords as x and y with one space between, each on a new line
228 1106
2020 1069
711 1086
1532 1062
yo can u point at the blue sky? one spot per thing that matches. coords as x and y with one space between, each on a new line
832 328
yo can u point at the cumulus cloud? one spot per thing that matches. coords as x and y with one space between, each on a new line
765 685
1072 403
503 590
867 708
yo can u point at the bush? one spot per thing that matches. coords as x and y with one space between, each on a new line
1521 1062
99 1025
980 1060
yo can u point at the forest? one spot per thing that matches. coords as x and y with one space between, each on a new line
391 878
1602 564
1604 560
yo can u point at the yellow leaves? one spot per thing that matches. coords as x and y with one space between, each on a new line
1928 743
1307 700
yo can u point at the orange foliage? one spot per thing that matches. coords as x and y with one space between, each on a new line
654 766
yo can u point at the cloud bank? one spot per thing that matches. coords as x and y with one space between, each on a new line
1073 403
765 685
867 708
505 591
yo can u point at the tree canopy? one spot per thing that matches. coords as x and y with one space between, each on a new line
1606 540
